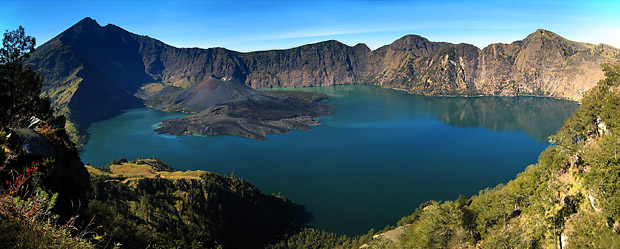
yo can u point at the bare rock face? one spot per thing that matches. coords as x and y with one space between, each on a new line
61 170
92 72
323 63
543 64
445 69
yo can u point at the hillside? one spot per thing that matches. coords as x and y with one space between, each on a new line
569 199
146 203
92 72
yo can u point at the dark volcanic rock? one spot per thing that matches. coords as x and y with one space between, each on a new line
61 169
213 91
229 107
92 72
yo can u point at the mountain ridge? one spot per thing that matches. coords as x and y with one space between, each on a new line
111 58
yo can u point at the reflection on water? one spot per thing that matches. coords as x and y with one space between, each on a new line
538 117
375 159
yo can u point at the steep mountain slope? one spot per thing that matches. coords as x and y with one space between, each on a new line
79 85
146 203
93 72
418 65
323 63
569 199
542 64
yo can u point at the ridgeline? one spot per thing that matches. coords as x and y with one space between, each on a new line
92 73
569 199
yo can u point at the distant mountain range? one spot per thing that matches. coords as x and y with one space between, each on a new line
92 73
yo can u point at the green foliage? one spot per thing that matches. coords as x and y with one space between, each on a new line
415 215
359 241
119 228
604 173
612 74
156 163
590 231
16 46
119 161
508 237
15 233
26 220
19 86
164 208
45 169
26 200
310 238
572 192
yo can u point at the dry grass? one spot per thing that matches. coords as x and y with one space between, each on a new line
133 170
153 87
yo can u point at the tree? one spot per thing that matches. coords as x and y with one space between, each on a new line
16 46
19 86
612 74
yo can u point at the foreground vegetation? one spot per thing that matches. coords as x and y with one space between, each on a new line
36 160
26 217
146 203
569 199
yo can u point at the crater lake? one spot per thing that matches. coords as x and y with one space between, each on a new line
376 158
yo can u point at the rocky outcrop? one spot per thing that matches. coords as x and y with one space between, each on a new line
543 64
92 72
60 170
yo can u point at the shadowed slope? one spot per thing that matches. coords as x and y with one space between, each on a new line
87 54
213 91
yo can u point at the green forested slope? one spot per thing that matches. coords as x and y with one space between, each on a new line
43 183
570 198
145 203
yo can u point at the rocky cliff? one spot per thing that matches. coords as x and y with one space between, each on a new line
569 199
93 72
47 147
543 64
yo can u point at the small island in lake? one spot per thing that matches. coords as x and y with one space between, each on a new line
224 105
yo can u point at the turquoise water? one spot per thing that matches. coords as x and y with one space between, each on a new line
375 159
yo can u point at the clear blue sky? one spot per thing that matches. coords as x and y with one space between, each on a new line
261 25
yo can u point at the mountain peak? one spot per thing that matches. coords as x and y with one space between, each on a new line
362 46
87 21
544 34
419 44
411 39
84 26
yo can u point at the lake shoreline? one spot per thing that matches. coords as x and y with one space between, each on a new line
376 151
